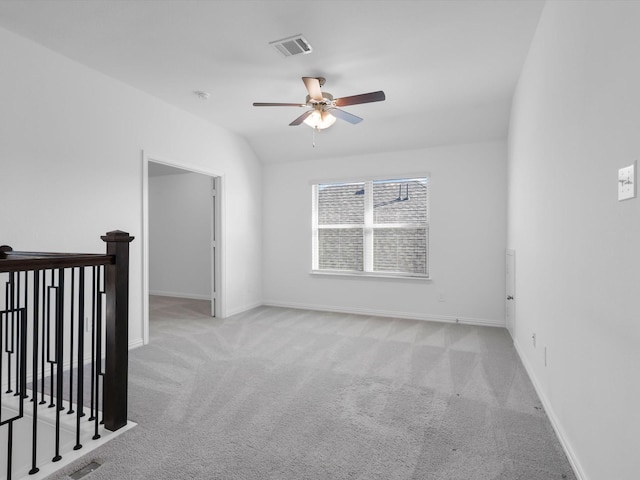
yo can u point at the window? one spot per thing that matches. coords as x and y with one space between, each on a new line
377 227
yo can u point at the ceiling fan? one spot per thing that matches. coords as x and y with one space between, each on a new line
323 108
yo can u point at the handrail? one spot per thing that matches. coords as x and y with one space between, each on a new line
12 261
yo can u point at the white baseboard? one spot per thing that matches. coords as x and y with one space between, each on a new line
389 313
242 309
555 423
136 343
193 296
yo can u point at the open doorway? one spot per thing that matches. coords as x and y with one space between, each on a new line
182 231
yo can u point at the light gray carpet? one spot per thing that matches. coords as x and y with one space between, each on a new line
276 393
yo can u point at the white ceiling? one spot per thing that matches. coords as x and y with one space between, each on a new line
448 68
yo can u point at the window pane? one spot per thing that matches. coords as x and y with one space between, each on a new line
400 250
341 204
400 201
340 249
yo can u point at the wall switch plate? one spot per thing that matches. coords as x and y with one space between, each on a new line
627 182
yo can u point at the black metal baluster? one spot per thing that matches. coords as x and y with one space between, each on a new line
16 333
45 309
2 329
17 316
80 407
9 330
9 450
73 286
59 343
103 337
25 305
22 358
49 359
34 375
98 371
94 294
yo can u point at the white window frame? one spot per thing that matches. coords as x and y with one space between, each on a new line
368 228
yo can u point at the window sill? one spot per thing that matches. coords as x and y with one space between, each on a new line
396 276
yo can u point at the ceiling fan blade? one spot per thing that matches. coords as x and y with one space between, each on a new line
313 87
342 115
362 98
301 118
267 104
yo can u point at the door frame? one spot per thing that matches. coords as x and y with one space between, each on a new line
215 236
218 272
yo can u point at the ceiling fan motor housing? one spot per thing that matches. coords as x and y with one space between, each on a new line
327 101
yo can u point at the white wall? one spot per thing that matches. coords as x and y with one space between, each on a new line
71 166
467 236
575 122
180 218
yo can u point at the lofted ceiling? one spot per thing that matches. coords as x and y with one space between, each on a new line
448 68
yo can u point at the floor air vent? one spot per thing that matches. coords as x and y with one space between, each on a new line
292 45
93 466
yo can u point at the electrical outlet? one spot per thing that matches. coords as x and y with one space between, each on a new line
627 182
533 339
441 297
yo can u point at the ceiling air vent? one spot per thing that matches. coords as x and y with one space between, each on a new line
292 45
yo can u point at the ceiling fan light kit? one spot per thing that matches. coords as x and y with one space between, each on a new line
322 106
320 120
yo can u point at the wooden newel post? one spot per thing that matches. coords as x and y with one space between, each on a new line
114 401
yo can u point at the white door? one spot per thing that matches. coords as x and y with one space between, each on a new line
511 292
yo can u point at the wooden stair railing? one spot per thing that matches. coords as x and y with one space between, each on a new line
48 301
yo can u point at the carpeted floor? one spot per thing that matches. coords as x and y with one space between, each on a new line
285 394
